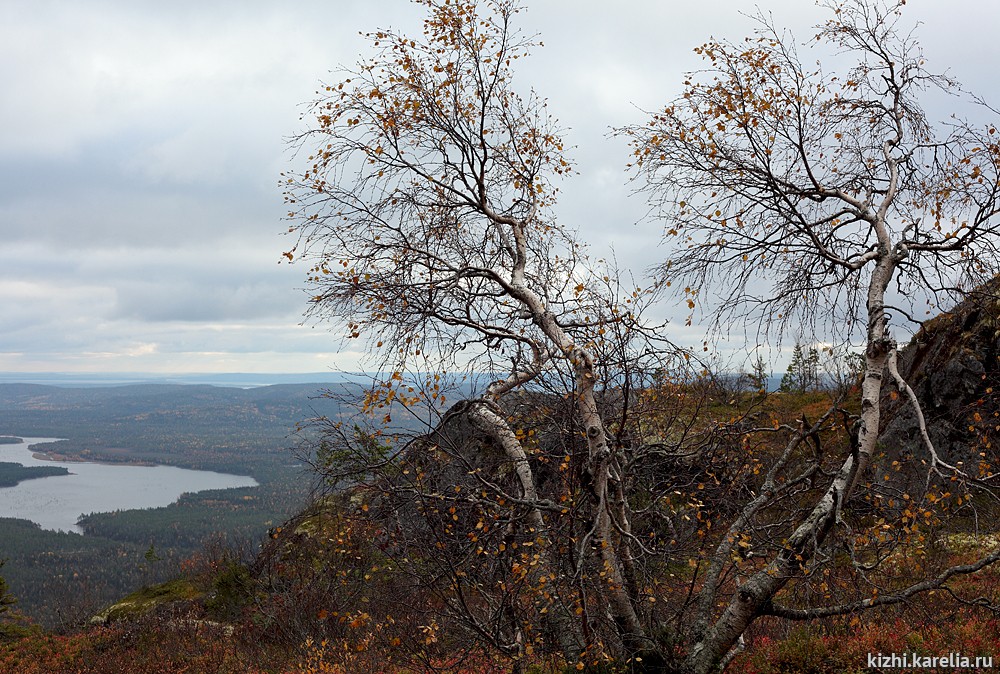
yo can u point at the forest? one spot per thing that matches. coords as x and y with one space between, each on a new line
12 473
61 578
245 431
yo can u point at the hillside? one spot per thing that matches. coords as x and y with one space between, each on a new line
342 585
191 426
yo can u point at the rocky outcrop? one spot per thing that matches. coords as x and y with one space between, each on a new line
952 366
147 600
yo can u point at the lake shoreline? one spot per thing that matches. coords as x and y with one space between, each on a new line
63 458
57 502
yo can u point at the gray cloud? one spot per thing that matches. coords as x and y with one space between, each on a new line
140 147
201 301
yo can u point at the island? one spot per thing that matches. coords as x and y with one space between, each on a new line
13 473
10 440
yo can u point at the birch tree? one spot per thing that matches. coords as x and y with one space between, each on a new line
811 196
425 214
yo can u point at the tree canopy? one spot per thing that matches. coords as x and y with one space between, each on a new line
771 172
6 600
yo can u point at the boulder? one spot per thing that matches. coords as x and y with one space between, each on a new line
951 364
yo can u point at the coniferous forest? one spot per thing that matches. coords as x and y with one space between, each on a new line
60 577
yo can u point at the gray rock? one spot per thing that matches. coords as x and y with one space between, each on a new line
951 364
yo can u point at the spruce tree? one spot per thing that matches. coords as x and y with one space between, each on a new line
5 598
803 372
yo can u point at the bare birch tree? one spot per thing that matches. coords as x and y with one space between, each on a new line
425 214
810 196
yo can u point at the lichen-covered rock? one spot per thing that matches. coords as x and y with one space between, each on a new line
952 366
148 599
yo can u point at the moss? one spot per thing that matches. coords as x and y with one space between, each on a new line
13 631
147 599
961 543
311 525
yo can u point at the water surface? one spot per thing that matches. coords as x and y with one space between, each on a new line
57 502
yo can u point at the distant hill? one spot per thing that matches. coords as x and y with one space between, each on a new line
192 426
235 379
187 425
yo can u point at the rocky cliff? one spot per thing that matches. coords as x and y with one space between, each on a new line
952 366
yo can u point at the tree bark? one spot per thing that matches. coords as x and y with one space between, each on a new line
557 618
756 593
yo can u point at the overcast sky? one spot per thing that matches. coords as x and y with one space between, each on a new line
141 143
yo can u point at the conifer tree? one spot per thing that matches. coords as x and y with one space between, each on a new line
5 598
759 374
803 372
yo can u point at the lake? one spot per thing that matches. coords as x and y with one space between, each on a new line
57 502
